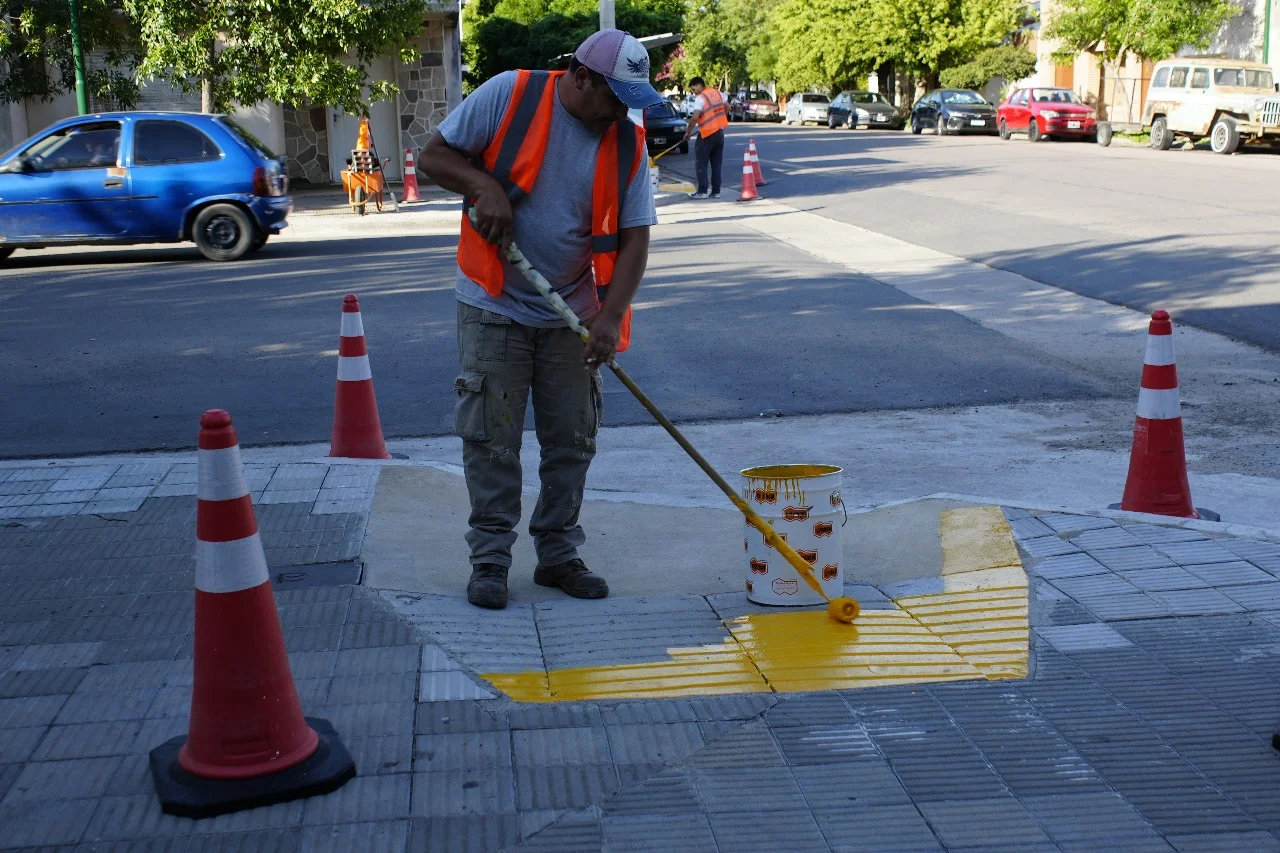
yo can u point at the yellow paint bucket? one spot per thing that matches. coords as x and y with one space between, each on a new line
802 502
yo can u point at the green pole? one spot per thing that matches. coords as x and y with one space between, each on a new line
77 51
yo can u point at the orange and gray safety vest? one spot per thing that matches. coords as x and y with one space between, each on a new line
715 116
514 158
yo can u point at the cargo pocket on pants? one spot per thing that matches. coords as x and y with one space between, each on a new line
469 417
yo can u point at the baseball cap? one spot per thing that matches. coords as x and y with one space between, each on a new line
624 63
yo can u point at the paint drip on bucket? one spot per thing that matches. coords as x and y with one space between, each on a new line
804 505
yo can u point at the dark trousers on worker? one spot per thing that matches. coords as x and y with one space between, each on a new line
710 152
502 363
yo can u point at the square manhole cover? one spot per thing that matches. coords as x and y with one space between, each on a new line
316 574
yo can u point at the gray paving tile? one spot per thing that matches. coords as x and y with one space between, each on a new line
1076 638
1153 534
41 781
29 711
106 706
546 747
365 798
1230 574
823 744
378 755
564 786
1158 580
17 745
554 715
462 751
1197 602
748 789
259 820
1126 559
848 830
643 833
41 682
1195 553
259 841
382 660
1255 596
88 740
850 785
451 686
1047 546
784 830
464 834
47 655
134 817
365 689
125 676
1026 526
1226 842
1085 589
390 836
62 822
478 790
1069 566
654 744
668 791
1065 523
747 745
455 717
1137 606
976 823
1105 537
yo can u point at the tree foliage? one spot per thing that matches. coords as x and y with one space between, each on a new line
1006 62
1150 29
35 46
509 34
291 51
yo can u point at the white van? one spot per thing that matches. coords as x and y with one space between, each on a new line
1231 101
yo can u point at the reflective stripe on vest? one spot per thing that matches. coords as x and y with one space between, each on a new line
514 158
715 116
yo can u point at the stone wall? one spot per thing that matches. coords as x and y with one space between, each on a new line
424 86
306 142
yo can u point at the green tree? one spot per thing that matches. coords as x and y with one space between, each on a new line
1007 62
35 47
927 36
1149 29
291 51
825 44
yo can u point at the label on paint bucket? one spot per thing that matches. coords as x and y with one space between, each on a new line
803 504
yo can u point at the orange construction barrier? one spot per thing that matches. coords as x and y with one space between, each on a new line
410 177
748 179
357 431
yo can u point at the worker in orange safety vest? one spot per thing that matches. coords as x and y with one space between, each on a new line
550 160
709 119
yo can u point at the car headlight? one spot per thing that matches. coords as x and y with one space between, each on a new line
1049 113
862 112
1258 103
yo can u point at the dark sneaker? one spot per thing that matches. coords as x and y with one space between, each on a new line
716 194
574 578
488 586
699 195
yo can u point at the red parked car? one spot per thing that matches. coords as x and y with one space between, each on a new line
1045 113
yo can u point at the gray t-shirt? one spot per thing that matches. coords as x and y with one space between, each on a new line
553 222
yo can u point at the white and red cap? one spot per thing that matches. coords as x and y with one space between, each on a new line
625 65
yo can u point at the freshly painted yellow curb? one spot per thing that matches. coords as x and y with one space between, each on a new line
976 627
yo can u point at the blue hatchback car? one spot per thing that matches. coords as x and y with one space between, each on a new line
143 177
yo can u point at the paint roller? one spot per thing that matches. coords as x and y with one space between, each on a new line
840 609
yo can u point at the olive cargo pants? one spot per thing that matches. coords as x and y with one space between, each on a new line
502 362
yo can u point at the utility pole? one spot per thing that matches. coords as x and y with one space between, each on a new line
606 15
77 53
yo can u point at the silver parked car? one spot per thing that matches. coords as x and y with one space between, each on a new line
807 107
865 109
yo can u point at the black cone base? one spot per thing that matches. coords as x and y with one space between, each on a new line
186 795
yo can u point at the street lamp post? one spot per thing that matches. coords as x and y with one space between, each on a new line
77 53
606 15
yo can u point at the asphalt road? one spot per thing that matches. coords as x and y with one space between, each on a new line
1189 231
109 350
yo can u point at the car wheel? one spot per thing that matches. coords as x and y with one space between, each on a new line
831 123
1033 131
1004 129
915 126
1161 138
1103 136
684 148
942 126
1225 137
223 232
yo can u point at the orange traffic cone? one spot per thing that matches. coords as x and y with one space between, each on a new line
410 177
357 432
248 743
748 179
755 163
1157 480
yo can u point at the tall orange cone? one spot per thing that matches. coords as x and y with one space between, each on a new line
748 179
357 432
755 163
1157 481
248 743
410 177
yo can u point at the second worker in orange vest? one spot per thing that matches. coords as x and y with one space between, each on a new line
551 161
709 119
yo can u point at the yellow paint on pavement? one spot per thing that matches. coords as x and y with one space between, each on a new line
976 627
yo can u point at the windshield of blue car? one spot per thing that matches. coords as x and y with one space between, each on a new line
1056 96
248 138
815 99
868 98
662 110
962 98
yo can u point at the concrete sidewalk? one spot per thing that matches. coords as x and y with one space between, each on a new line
1151 650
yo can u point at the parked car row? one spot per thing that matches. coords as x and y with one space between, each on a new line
143 177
